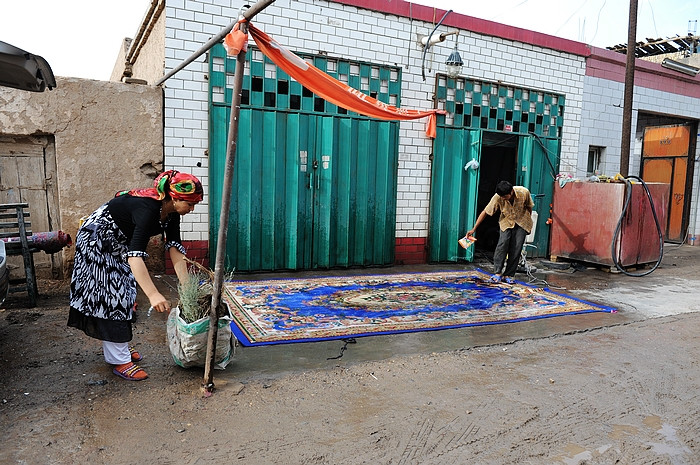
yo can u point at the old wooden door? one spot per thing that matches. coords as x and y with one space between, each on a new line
28 174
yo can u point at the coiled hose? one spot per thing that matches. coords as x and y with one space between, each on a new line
619 227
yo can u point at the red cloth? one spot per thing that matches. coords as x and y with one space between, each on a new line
50 241
177 185
323 85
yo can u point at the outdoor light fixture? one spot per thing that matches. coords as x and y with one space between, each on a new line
434 39
680 67
454 63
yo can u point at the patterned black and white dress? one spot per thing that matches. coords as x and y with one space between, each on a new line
103 288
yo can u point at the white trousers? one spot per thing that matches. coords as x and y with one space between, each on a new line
116 353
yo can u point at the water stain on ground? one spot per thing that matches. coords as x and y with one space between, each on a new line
598 388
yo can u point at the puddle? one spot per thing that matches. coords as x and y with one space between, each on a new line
672 446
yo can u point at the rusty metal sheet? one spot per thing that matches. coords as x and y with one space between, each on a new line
666 141
585 216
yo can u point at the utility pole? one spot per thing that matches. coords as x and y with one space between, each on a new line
629 91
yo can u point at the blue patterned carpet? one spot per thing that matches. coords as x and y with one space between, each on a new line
304 310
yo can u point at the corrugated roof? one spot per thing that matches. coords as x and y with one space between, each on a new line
660 46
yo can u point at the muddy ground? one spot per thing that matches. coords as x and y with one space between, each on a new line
625 391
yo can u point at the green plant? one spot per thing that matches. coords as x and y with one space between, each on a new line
196 292
193 293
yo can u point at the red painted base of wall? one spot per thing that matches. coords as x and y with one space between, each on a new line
197 251
411 250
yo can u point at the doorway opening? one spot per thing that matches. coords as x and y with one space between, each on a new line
498 162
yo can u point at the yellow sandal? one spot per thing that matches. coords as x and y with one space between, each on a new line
135 355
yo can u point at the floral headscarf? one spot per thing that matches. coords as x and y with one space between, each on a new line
171 183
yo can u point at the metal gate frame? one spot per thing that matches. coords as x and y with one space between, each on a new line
474 106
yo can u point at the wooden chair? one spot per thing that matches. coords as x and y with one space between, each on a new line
15 230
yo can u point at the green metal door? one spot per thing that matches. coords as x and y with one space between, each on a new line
314 186
537 158
354 194
454 192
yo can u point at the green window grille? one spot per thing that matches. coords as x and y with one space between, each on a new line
265 86
475 104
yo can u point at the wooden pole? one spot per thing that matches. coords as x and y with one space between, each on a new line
208 382
625 145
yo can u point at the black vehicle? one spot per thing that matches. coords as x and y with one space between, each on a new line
23 70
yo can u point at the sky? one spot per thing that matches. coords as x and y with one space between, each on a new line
81 38
601 23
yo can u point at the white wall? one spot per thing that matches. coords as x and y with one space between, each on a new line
346 32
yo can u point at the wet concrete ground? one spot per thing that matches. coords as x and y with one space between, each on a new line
670 289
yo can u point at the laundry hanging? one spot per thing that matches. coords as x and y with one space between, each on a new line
322 84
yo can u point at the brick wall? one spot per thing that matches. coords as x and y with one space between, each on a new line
197 251
384 33
411 250
346 31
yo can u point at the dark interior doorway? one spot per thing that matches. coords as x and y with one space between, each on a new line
498 159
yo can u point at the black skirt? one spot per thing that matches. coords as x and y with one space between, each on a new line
98 328
103 288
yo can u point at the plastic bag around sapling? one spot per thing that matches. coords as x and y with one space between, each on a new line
188 341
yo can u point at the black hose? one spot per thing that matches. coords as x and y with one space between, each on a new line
619 227
427 43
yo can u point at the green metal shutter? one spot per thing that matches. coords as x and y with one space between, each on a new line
453 191
473 106
314 186
538 159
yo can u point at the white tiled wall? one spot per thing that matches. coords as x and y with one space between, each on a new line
346 32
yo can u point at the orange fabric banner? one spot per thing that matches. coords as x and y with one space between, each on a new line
331 89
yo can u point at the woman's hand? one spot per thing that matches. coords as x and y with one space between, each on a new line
159 302
156 299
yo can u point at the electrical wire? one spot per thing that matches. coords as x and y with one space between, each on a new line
509 10
410 34
427 43
532 279
572 15
597 21
614 252
653 18
349 340
547 152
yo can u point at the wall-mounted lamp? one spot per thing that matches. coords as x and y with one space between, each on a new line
454 62
422 40
680 67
